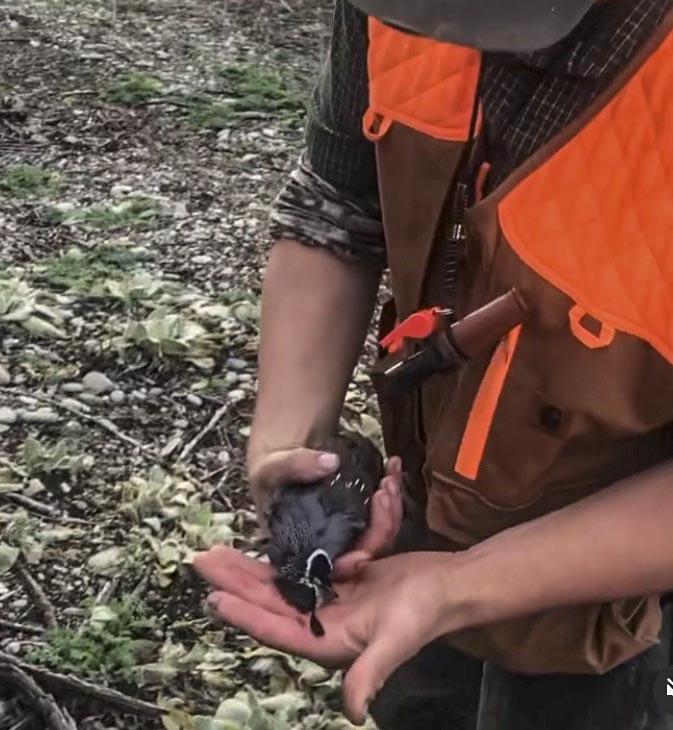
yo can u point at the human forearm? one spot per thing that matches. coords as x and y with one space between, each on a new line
315 312
615 544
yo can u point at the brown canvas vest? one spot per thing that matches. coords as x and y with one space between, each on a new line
580 395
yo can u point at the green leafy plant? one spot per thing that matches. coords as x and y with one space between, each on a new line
109 643
26 180
260 88
26 535
167 334
62 458
246 88
37 311
180 521
140 212
133 89
81 270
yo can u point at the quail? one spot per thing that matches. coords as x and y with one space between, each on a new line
311 525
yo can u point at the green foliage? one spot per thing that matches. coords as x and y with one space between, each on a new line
258 88
37 311
133 89
26 180
80 270
140 212
166 334
206 113
109 643
40 460
248 88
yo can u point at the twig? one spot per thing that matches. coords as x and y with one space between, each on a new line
62 683
53 717
169 101
42 509
144 583
6 596
36 593
217 416
13 468
286 5
79 92
100 422
24 628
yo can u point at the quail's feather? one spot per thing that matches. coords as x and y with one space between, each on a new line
312 525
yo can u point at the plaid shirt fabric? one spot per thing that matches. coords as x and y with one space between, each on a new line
331 200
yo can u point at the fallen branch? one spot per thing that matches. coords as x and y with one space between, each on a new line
17 471
36 593
39 702
67 685
23 628
100 422
217 416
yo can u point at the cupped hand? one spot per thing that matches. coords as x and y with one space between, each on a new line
387 610
385 522
269 471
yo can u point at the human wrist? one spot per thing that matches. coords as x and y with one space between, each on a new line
475 589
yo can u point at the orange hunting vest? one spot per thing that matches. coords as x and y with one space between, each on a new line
579 396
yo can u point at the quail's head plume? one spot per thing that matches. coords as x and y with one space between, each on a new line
313 524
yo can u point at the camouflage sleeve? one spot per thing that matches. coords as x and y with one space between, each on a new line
315 213
331 198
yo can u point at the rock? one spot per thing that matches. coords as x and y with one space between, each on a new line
5 377
91 399
72 388
194 400
41 415
245 378
138 395
64 207
3 428
77 405
224 457
234 363
156 392
117 397
236 395
223 138
8 416
180 211
203 259
97 383
120 191
234 710
72 428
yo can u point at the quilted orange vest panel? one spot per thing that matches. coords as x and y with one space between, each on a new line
602 229
426 85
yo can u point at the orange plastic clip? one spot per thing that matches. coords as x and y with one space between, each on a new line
416 326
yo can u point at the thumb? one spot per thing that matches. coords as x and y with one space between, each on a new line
370 671
297 465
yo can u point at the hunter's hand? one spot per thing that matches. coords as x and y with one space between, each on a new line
269 471
385 523
387 610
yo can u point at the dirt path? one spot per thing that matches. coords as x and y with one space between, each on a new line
141 143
